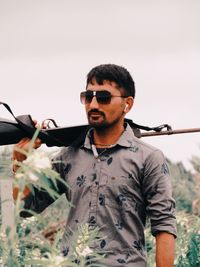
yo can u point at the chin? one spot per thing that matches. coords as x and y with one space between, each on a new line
100 126
97 124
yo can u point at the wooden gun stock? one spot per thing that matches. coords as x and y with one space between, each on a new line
12 132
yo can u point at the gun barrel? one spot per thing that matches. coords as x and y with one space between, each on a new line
170 132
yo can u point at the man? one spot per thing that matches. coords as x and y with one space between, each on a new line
115 180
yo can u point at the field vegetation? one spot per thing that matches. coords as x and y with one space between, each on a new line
35 241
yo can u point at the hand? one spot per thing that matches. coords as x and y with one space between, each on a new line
24 145
17 155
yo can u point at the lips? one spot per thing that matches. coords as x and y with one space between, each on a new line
95 114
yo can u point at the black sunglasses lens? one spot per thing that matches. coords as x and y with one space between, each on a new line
103 97
86 97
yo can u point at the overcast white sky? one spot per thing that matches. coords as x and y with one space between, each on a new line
47 48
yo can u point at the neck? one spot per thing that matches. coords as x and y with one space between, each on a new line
107 137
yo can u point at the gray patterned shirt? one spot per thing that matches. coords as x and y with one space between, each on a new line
116 191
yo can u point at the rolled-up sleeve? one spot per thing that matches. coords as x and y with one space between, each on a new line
157 188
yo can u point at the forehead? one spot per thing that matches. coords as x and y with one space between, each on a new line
106 85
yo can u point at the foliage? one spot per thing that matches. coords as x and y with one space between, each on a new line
28 247
187 243
25 243
35 241
184 186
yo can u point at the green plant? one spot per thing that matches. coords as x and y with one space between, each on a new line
35 241
25 242
188 241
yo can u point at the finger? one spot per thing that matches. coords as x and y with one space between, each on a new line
44 125
23 144
36 124
37 143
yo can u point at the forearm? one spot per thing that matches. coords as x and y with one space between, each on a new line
165 250
18 156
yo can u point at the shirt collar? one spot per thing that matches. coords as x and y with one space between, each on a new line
125 140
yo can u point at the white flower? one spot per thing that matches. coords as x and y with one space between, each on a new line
38 160
29 174
2 235
83 250
56 260
36 163
19 175
32 177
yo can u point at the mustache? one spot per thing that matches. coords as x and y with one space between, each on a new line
95 111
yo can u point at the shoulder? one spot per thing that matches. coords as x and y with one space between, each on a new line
63 154
143 147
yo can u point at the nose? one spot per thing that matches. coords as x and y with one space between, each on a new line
94 104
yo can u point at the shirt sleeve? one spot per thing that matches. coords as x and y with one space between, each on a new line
36 202
157 188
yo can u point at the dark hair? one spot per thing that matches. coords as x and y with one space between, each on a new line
113 73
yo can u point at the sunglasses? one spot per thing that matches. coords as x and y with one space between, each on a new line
102 97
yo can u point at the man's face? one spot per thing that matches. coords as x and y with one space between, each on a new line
104 115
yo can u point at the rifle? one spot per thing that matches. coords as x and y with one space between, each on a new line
22 126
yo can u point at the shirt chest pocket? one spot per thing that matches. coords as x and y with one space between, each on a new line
117 192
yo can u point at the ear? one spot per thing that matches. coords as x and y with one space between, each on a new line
129 101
